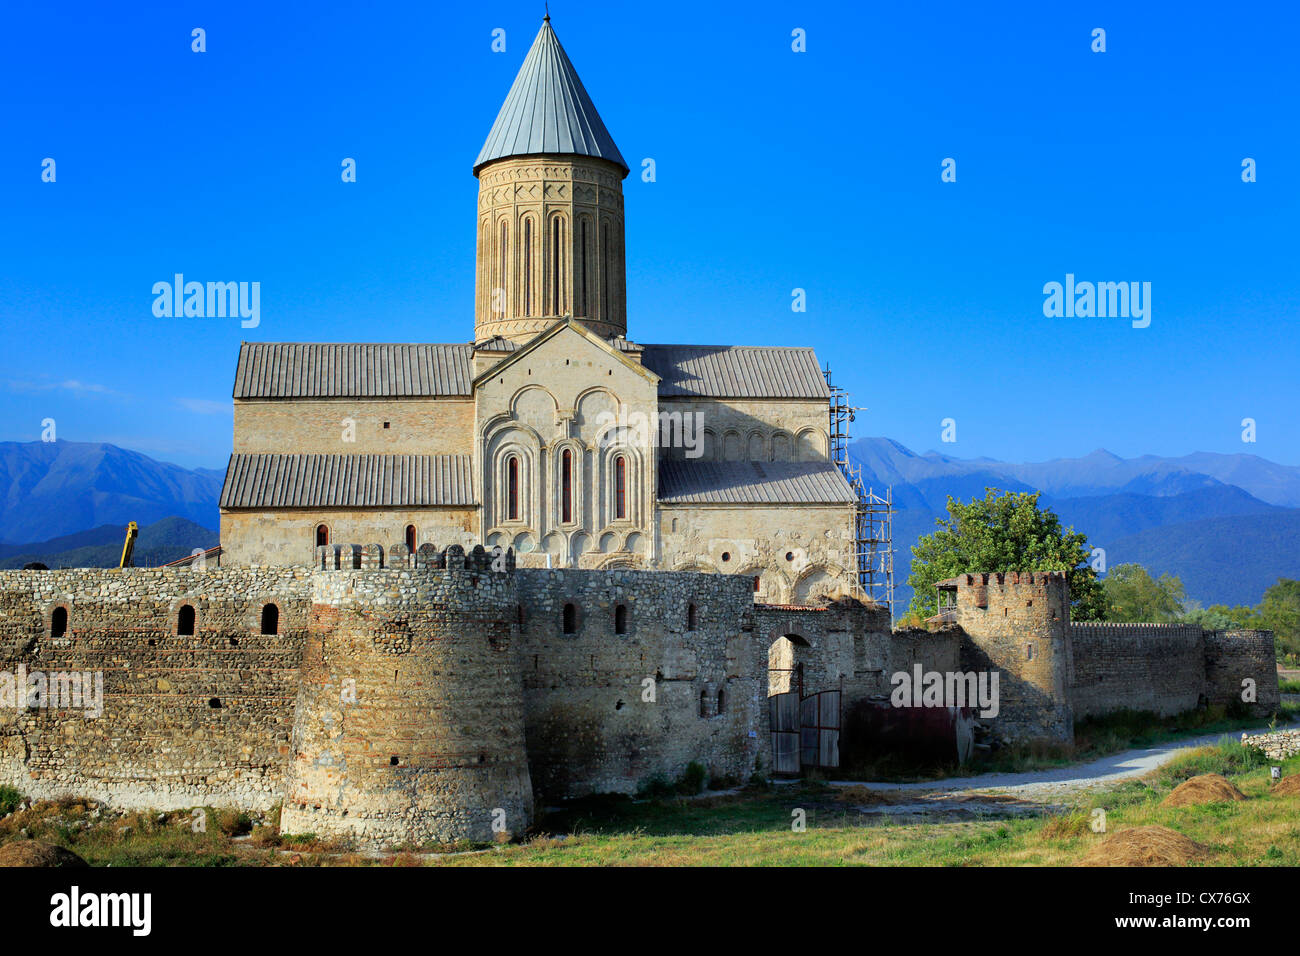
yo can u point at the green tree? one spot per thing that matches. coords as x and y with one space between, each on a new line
1003 531
1132 594
1279 612
1220 617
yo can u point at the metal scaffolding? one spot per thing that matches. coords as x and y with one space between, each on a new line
873 519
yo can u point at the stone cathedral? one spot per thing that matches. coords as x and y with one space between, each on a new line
554 431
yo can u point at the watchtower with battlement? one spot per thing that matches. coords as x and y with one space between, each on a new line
1018 623
409 722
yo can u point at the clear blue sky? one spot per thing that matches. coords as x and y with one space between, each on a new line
776 170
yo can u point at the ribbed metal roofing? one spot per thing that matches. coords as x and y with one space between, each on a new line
735 371
304 370
752 482
548 111
347 481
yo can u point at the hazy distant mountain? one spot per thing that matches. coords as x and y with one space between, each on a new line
158 543
1098 473
1220 560
49 489
1219 522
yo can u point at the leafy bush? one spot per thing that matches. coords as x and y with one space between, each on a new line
692 779
9 800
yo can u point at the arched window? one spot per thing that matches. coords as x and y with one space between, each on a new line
620 619
528 266
570 619
704 702
722 700
566 486
512 488
690 617
322 535
410 537
583 247
185 621
557 265
501 270
59 622
620 487
270 619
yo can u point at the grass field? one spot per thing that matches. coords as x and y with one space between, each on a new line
752 828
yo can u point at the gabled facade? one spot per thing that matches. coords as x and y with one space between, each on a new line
551 432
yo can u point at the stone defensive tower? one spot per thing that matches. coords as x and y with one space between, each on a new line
1017 622
409 724
550 208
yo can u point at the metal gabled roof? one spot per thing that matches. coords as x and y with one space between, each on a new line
347 481
353 370
752 482
735 371
548 111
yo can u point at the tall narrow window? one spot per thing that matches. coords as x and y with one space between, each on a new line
410 537
185 621
557 265
570 619
270 619
59 622
691 617
620 619
501 271
322 535
604 276
582 278
512 488
566 486
528 267
620 487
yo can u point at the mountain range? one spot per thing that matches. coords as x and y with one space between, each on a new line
48 489
1228 525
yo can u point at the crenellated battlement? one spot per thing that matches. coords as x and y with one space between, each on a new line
372 557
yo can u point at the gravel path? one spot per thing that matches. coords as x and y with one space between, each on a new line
1059 781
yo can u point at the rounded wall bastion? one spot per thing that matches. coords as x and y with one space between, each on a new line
408 726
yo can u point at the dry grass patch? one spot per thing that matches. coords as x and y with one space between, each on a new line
1206 788
1151 845
1287 786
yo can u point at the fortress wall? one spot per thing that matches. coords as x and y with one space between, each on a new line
409 725
607 712
417 426
288 536
1155 667
757 540
1233 656
186 719
1016 623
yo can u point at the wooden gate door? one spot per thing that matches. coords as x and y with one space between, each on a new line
783 718
819 729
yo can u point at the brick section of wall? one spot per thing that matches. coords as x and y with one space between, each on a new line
409 726
1155 667
186 719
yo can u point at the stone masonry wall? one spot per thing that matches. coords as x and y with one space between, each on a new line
186 719
409 725
1016 622
1233 656
608 711
1155 667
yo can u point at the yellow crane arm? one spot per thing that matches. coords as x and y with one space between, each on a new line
128 548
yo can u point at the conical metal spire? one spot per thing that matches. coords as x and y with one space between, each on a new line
548 111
